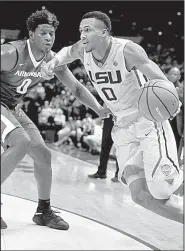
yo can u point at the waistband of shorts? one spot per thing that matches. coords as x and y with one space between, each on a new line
8 106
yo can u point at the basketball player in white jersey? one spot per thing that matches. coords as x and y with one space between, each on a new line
146 151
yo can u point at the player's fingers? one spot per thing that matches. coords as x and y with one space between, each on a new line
47 72
177 112
46 75
180 104
43 73
178 90
44 70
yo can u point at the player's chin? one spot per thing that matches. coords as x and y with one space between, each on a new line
47 48
88 49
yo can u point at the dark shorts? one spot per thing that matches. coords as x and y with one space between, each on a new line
12 119
8 122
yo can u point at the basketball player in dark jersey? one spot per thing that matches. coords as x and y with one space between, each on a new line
21 63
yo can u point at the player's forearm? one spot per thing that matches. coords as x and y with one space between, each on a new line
64 56
78 90
85 96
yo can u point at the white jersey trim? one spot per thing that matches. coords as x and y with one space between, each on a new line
9 127
35 63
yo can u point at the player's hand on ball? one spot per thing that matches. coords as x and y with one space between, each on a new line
47 70
177 112
180 104
104 112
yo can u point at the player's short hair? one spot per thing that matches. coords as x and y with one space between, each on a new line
41 17
100 16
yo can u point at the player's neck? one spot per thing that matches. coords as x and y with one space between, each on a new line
100 52
37 53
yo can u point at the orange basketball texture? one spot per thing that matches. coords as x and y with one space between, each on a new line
158 100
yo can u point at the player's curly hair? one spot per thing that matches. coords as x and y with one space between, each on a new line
41 17
100 16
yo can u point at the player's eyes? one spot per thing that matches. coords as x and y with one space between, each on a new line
45 33
85 30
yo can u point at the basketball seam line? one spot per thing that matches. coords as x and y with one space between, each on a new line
165 89
148 105
161 101
169 92
139 106
161 88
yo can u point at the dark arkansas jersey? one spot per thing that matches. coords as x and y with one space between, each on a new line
24 76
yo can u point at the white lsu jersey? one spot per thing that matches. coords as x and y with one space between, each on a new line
117 87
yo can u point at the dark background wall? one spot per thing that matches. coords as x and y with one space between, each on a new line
124 14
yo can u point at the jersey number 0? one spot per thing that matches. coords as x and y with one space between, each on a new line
22 89
109 93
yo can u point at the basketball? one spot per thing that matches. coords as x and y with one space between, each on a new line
158 100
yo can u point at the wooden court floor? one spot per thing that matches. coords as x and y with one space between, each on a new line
106 203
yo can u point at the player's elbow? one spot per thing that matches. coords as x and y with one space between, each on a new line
157 72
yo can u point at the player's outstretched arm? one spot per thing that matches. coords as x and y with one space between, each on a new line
136 57
80 91
65 56
69 54
8 57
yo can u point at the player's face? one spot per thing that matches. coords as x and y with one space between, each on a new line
44 37
91 33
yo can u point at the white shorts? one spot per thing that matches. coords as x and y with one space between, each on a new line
145 149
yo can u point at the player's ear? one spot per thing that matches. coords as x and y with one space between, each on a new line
104 32
31 34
